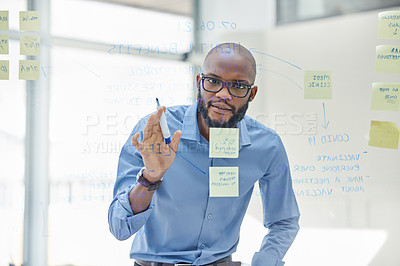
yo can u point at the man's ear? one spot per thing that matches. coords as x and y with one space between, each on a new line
198 80
253 93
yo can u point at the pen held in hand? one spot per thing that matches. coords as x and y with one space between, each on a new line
164 126
167 136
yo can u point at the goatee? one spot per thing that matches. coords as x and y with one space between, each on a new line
202 108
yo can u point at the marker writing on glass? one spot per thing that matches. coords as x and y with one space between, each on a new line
164 126
167 136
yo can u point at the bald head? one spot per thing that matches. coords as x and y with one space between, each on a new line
244 60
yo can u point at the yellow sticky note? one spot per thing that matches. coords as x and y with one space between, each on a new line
387 59
29 69
29 44
3 44
4 70
224 181
29 20
389 25
224 142
384 134
317 84
3 20
385 96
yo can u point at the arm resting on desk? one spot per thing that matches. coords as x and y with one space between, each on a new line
276 243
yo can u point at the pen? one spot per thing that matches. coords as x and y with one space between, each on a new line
164 126
167 136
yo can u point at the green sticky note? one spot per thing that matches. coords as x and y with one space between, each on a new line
3 20
317 84
385 96
29 20
387 59
29 44
384 134
224 181
29 69
3 44
224 142
389 25
4 70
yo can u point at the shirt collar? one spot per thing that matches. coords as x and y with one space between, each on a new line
190 128
244 137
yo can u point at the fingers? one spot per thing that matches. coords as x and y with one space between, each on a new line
161 110
152 135
152 128
148 129
175 140
135 141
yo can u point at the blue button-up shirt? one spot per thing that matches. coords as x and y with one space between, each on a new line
184 224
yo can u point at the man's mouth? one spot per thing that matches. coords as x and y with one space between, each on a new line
221 108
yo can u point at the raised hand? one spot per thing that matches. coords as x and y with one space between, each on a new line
157 156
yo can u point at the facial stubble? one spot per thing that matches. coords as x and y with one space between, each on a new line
203 106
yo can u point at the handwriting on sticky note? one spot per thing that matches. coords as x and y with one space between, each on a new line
224 181
317 84
224 142
384 134
29 45
29 20
3 44
387 59
385 96
4 70
3 20
29 69
389 25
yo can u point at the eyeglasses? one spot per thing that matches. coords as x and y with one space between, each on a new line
235 89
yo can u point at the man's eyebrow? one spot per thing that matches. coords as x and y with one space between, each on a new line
238 80
211 74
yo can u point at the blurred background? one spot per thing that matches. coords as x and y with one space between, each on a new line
102 63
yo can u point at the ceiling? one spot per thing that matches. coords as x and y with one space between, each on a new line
177 7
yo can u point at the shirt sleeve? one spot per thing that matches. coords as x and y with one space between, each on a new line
280 210
122 222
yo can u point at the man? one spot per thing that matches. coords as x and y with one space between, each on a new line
170 208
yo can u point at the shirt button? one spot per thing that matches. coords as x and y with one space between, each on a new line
209 216
202 246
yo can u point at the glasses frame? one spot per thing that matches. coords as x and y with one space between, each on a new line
203 77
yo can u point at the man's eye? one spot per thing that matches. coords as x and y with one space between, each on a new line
213 81
239 86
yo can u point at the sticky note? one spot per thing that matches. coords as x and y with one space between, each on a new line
384 134
29 44
4 72
317 84
29 20
389 25
224 181
3 20
385 96
3 44
387 59
29 69
224 142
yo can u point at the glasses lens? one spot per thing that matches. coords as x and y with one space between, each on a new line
212 84
238 90
235 88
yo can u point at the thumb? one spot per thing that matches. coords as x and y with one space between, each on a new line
175 140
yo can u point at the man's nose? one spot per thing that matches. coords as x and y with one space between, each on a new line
224 93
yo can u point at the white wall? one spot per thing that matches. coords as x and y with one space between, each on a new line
346 46
343 228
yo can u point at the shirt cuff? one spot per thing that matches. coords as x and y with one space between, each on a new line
135 221
261 259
